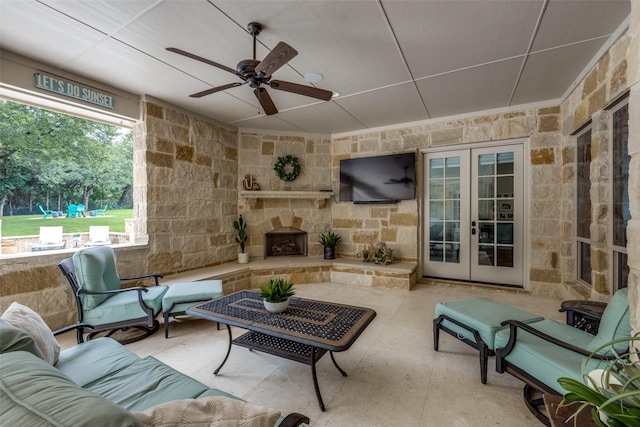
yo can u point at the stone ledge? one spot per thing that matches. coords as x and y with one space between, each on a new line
301 270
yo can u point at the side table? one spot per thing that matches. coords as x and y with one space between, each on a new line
584 315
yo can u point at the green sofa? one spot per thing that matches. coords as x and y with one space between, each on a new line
98 382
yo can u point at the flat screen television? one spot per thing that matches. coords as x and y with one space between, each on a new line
379 179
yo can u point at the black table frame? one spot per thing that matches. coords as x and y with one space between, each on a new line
304 332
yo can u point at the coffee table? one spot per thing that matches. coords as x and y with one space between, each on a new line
304 332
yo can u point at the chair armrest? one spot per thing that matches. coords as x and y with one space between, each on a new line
72 327
514 325
294 420
155 276
115 291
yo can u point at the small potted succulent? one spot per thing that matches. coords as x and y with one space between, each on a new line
329 240
276 293
241 227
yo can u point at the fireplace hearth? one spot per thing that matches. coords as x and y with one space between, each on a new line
285 241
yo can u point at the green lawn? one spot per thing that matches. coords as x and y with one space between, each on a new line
27 225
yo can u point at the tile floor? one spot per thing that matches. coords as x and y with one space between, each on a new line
395 376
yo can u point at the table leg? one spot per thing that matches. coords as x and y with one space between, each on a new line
228 351
344 374
315 380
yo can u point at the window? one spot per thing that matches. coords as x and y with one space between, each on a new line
55 165
620 193
583 206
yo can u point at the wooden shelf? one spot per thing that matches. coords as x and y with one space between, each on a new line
319 196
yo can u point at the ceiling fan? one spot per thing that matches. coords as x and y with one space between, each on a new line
404 180
256 73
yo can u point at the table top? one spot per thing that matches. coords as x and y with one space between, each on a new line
330 326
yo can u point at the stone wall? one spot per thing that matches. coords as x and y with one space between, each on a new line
606 81
257 155
185 189
399 225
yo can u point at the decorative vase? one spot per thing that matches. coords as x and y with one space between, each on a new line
276 307
329 253
243 257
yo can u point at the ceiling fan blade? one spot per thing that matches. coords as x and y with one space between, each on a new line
215 89
201 59
265 101
280 55
311 91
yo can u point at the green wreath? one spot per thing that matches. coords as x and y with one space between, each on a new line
287 168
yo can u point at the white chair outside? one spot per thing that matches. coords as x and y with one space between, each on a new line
50 239
98 235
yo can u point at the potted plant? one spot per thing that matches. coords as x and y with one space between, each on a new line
329 241
612 393
275 294
241 227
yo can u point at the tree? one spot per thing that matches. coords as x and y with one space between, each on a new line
45 153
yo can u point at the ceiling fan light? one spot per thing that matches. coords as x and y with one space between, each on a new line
313 77
335 95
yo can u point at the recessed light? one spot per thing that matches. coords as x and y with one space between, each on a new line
313 77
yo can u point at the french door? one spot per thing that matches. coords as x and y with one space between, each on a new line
474 215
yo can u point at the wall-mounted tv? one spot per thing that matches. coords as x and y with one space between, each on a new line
380 179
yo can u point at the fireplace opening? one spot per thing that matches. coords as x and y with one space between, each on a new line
285 241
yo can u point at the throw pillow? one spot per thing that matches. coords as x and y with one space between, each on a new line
29 321
214 411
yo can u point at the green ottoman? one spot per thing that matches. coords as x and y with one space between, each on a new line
181 296
475 322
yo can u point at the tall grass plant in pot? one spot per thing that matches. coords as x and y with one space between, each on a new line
241 227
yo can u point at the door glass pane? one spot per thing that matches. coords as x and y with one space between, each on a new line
495 209
486 164
436 209
436 169
485 255
505 234
504 186
485 187
505 256
436 189
444 209
505 163
452 188
453 167
452 209
485 209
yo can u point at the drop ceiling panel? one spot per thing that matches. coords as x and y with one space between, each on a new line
438 36
346 41
323 118
564 23
475 89
386 106
548 74
51 37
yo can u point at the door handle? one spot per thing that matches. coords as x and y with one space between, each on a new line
473 228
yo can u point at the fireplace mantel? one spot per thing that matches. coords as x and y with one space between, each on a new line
319 196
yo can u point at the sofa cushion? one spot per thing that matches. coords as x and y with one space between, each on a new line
614 324
146 383
96 271
125 306
92 360
545 361
34 393
16 339
208 412
28 320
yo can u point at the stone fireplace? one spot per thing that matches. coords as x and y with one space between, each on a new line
285 241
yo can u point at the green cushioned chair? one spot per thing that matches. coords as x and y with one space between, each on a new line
541 352
103 303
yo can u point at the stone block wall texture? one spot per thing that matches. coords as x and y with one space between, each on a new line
257 155
605 82
187 192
